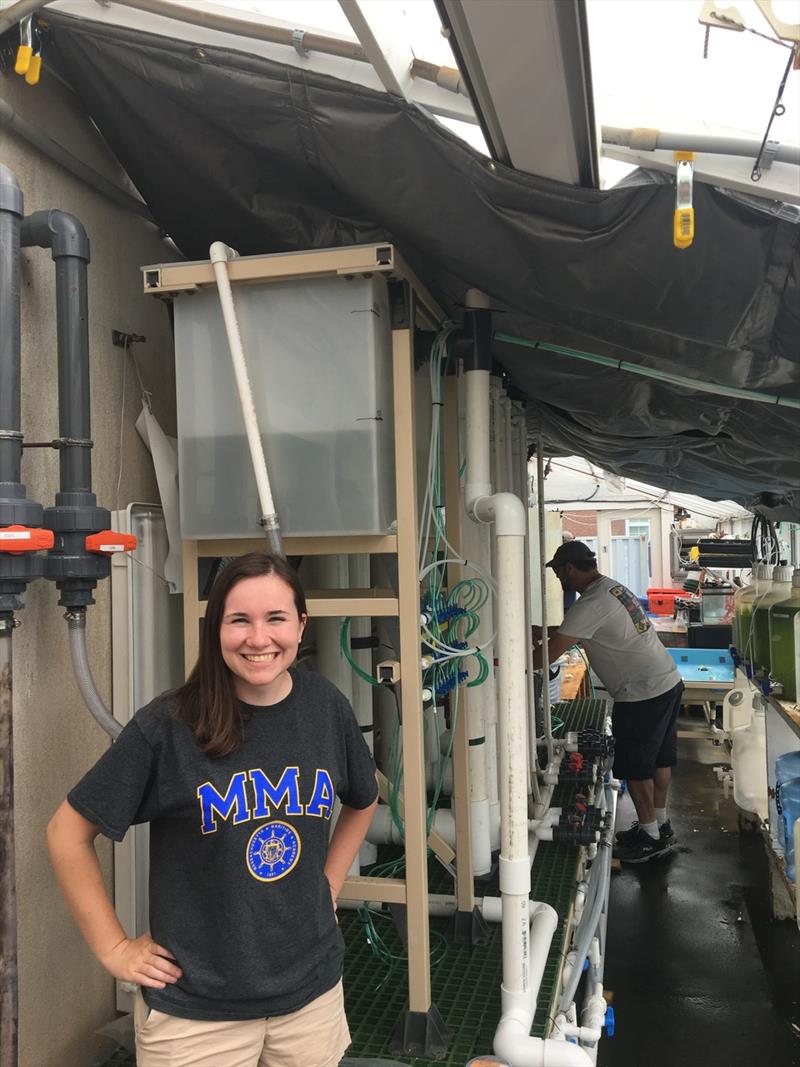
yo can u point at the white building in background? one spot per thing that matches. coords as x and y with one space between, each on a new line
629 523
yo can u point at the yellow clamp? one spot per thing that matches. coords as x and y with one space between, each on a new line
24 57
29 63
34 70
683 219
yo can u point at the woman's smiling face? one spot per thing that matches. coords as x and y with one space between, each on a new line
259 637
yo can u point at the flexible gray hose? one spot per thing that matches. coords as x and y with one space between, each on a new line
588 924
76 623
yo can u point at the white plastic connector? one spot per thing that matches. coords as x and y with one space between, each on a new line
388 672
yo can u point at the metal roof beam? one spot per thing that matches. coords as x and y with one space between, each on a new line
529 79
380 30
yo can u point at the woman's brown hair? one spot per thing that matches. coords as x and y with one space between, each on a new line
206 701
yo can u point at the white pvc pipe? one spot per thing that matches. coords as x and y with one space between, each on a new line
219 255
482 636
478 483
476 728
383 831
478 475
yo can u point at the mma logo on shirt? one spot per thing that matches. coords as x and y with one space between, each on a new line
632 606
253 795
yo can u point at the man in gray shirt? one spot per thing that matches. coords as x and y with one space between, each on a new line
641 678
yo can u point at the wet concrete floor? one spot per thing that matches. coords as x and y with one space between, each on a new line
701 973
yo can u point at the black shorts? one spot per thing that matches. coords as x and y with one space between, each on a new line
646 734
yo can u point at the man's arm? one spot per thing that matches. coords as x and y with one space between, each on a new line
536 633
556 646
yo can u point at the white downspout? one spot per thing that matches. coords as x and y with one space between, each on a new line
219 255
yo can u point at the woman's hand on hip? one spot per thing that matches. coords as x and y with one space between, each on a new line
143 961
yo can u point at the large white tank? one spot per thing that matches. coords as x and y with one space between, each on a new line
319 356
749 763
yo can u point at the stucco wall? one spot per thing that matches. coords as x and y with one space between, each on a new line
64 993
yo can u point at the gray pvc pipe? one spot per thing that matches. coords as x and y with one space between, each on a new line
648 140
65 236
11 212
76 623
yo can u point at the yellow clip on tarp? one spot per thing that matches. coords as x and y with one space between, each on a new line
24 57
683 227
34 70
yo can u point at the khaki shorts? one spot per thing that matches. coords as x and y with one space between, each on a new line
315 1036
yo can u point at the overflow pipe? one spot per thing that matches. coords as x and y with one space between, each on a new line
219 255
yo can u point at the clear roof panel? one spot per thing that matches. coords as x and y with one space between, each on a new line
648 69
325 15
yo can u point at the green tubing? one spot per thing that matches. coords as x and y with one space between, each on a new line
647 372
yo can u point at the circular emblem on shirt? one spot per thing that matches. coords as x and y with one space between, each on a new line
272 851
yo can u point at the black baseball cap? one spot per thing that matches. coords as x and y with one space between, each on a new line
572 552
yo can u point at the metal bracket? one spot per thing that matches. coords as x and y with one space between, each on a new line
298 36
769 154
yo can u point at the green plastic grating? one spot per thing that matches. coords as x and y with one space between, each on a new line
465 987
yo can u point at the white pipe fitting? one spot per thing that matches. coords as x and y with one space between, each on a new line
550 776
505 510
383 831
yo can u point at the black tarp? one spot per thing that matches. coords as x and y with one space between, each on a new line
270 158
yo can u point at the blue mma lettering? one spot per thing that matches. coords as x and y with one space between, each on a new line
212 802
321 803
286 791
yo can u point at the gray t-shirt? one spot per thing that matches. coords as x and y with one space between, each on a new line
238 845
620 642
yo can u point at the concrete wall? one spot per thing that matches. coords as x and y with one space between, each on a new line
64 993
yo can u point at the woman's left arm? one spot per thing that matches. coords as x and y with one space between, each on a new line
350 830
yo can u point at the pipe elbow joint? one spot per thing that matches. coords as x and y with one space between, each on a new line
62 233
11 198
505 510
219 252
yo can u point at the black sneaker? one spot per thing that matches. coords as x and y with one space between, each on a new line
641 848
666 833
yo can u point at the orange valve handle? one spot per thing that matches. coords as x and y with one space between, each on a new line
19 539
107 542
